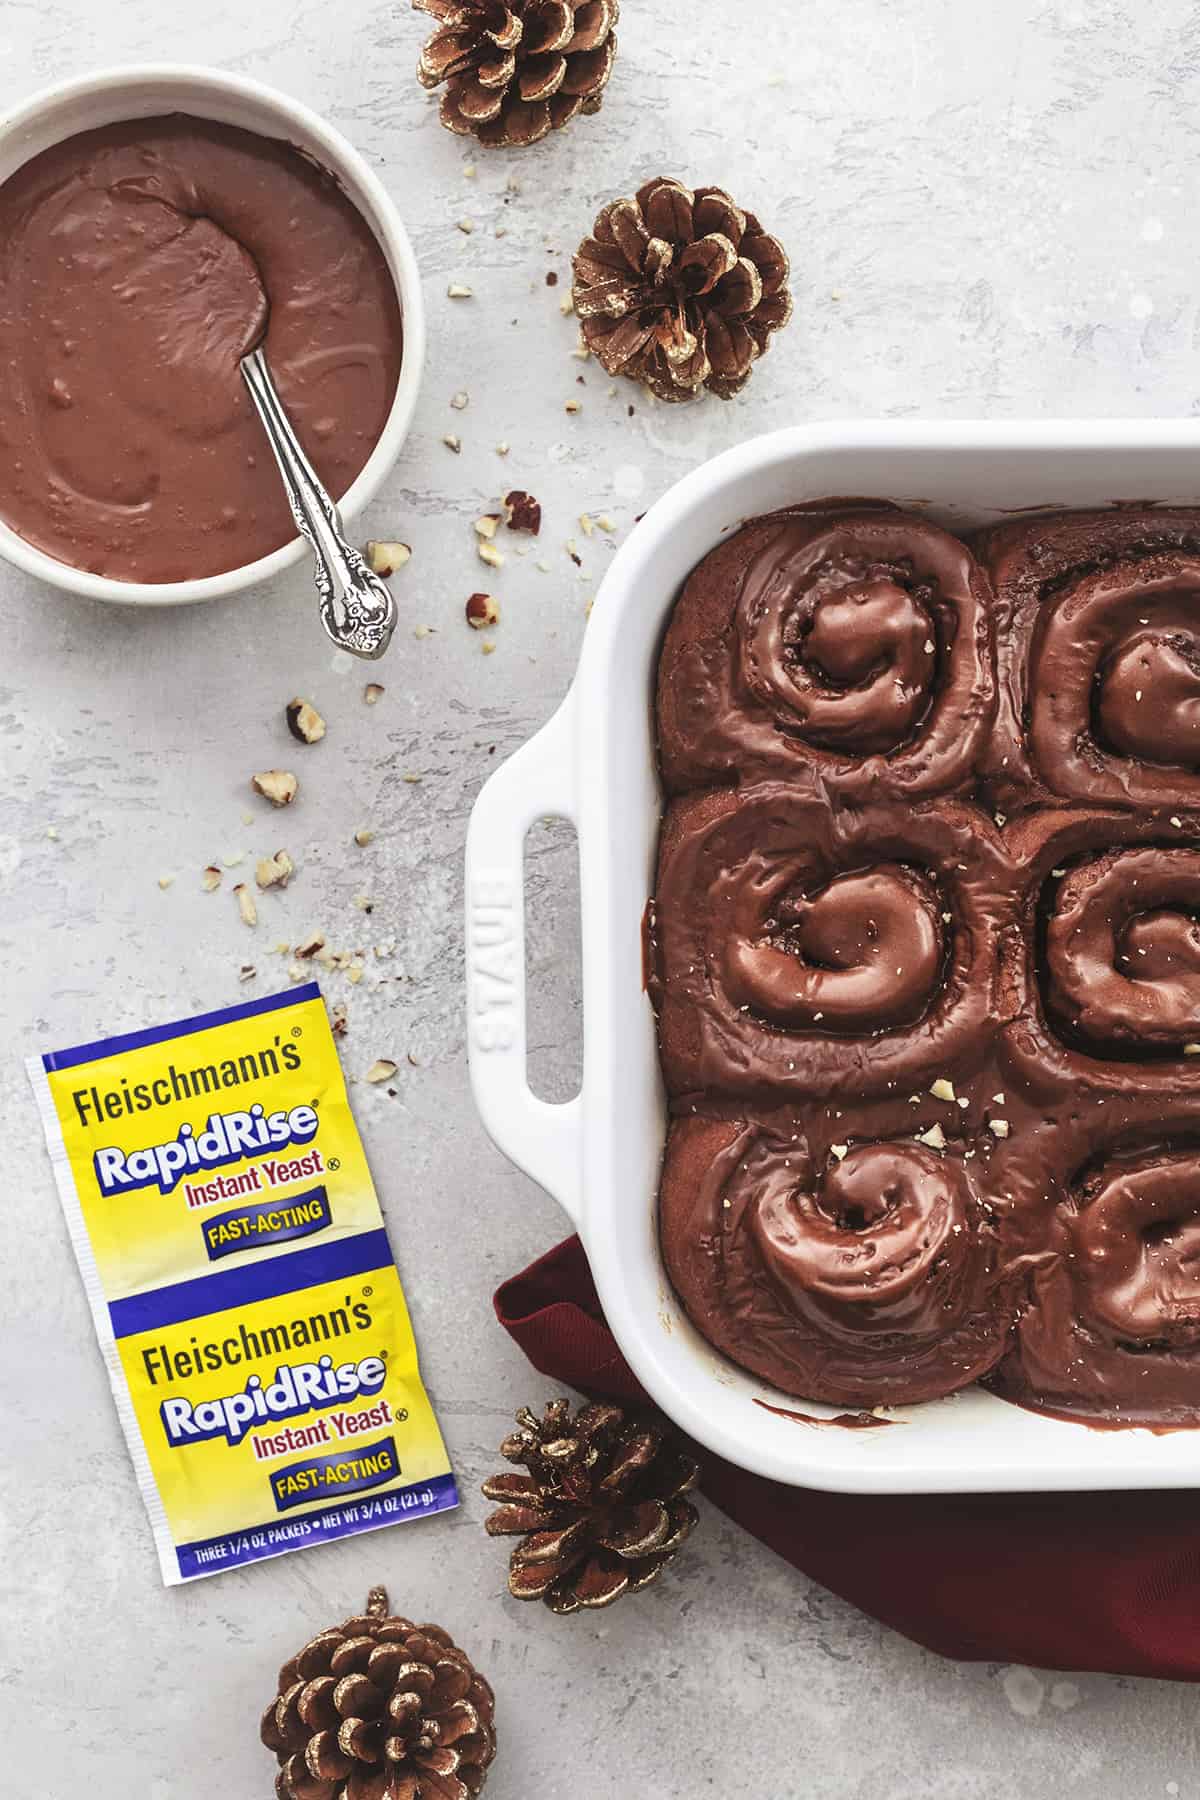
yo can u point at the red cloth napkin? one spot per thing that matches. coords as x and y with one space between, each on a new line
1105 1582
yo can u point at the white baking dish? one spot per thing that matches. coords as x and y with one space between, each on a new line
144 91
593 764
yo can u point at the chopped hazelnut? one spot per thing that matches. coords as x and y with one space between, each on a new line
308 947
338 1020
274 871
304 721
942 1089
247 972
935 1137
363 836
999 1127
382 1070
246 906
524 512
461 400
166 881
373 693
489 554
840 1151
384 556
485 527
458 290
453 443
211 878
279 786
483 610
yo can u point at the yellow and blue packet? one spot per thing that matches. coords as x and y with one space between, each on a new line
241 1283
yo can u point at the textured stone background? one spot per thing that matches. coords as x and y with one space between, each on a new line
991 210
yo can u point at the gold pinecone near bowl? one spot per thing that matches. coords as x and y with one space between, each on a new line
600 1506
515 71
680 289
381 1709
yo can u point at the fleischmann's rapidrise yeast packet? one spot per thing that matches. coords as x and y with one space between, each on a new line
243 1290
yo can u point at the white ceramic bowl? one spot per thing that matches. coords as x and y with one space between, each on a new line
143 91
593 764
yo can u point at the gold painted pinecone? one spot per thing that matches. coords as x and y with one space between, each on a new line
517 69
380 1709
680 290
599 1509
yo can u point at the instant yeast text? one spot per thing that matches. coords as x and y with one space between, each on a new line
243 1290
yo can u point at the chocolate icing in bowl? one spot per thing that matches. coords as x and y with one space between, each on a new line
138 263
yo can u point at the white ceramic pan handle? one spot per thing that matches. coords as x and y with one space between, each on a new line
537 783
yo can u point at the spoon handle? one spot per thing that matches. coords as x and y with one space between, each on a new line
357 609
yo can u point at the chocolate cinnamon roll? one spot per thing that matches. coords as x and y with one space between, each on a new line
1102 976
1098 626
854 645
860 1273
805 950
1113 1327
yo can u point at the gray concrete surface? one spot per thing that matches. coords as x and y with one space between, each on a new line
991 209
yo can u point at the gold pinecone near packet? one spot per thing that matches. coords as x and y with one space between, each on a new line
241 1283
600 1505
381 1709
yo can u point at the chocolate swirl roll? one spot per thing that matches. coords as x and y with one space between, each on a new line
804 950
1098 627
854 645
1103 975
860 1273
1113 1328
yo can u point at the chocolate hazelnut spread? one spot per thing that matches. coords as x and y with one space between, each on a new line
138 263
926 959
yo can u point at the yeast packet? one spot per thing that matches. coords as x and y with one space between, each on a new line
241 1283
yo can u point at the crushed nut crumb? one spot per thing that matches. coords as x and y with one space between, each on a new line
523 512
304 721
309 946
210 880
279 786
246 906
483 610
274 871
373 693
385 556
364 836
489 554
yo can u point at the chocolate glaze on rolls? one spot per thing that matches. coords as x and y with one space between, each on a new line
1102 975
808 951
851 644
855 1273
1098 626
1113 1329
929 1018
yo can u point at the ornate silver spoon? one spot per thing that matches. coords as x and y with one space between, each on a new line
357 609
